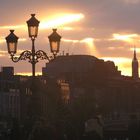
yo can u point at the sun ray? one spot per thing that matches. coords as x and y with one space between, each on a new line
61 20
126 37
12 27
89 43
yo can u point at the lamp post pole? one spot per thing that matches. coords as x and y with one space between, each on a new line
33 56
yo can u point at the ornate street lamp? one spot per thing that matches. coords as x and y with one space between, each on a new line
33 56
54 40
12 40
33 25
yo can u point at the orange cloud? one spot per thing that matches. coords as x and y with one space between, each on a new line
89 42
116 48
67 28
12 27
125 37
61 20
3 53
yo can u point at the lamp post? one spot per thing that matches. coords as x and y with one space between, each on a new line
32 55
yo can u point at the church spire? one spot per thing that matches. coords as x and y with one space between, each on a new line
135 66
135 57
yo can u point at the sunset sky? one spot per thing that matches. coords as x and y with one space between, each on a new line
107 29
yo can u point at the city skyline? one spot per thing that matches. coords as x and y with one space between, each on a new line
107 29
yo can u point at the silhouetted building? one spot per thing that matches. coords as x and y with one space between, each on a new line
116 97
85 74
7 72
7 79
76 67
9 94
65 91
10 104
135 66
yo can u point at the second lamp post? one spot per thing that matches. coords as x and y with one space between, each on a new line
32 55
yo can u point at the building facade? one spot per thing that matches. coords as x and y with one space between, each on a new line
113 92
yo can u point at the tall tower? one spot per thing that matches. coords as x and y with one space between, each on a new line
135 66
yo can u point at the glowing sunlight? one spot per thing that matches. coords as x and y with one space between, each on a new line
12 27
124 64
28 73
127 37
91 45
61 20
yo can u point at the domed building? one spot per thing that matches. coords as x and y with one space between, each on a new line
116 97
74 67
86 74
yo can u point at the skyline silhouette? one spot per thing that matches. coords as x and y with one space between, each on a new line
105 29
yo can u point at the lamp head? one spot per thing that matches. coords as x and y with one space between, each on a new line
54 40
12 41
33 25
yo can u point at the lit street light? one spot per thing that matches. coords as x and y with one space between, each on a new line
33 56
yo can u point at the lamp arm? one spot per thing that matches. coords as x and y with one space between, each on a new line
41 55
23 56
